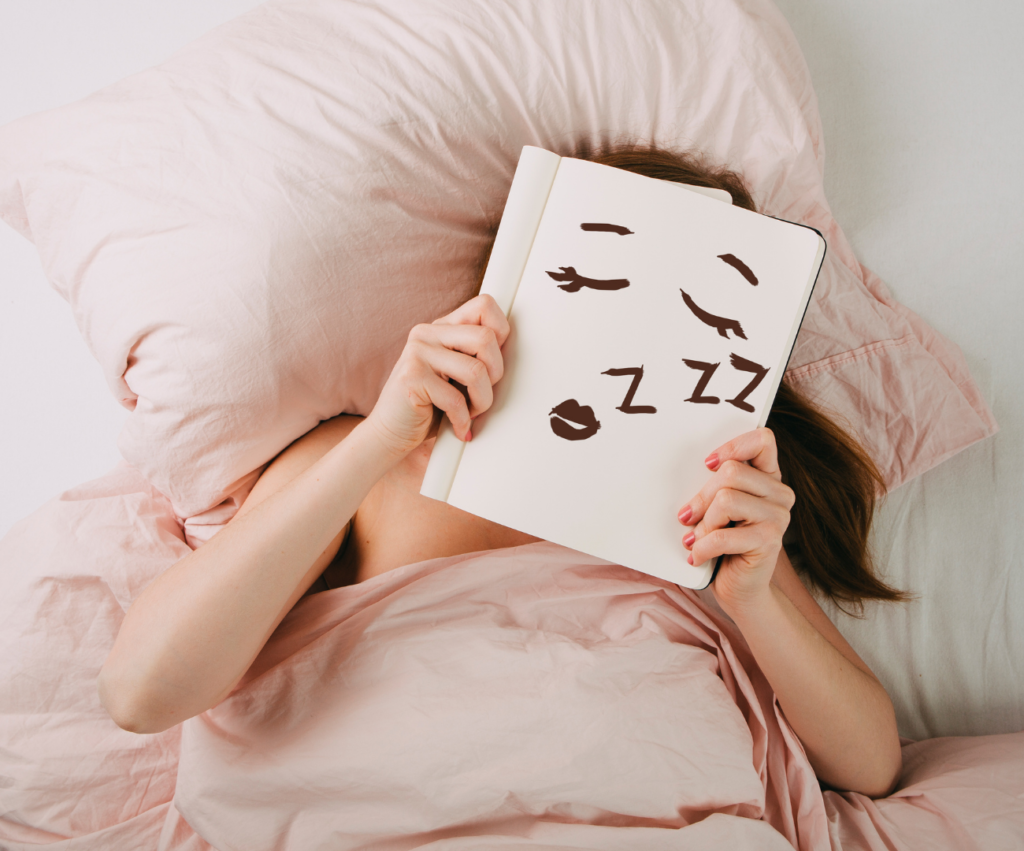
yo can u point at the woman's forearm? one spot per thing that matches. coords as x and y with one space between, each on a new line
843 716
193 632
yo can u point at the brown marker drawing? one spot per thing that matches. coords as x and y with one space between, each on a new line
719 323
578 282
708 369
601 226
627 406
740 267
744 365
571 411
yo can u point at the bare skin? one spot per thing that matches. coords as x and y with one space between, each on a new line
395 526
192 634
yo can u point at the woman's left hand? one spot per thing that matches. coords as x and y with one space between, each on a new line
754 499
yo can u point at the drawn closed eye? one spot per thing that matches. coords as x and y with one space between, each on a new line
578 281
740 267
720 323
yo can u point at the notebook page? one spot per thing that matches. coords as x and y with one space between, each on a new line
535 174
580 338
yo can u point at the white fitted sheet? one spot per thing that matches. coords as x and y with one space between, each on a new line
920 104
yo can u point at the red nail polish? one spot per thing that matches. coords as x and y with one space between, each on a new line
689 558
712 461
685 515
688 540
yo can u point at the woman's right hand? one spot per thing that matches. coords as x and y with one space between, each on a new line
465 346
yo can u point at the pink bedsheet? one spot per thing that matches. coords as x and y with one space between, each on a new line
523 698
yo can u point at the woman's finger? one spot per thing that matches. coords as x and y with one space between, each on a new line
475 340
735 475
751 542
468 371
731 506
443 395
481 310
757 446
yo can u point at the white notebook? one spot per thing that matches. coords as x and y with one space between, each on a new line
649 325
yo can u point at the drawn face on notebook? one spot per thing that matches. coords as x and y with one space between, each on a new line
572 420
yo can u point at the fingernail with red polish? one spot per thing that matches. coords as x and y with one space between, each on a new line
712 461
689 558
688 540
685 515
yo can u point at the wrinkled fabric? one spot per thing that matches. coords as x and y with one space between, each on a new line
519 685
69 777
539 697
247 232
955 792
528 698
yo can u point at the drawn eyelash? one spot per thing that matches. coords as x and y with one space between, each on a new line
720 323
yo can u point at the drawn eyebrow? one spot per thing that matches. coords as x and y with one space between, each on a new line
578 282
719 323
740 267
601 226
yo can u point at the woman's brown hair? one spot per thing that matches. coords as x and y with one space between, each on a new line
835 481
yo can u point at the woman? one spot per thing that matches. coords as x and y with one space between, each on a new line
342 505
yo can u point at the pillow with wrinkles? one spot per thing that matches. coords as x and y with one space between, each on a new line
247 232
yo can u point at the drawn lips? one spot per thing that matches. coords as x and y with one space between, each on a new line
571 411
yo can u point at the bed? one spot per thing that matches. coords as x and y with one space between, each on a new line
923 196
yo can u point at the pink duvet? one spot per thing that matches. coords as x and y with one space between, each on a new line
522 698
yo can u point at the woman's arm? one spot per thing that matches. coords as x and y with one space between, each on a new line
191 635
837 707
840 711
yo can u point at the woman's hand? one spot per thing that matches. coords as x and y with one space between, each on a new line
754 500
465 346
836 706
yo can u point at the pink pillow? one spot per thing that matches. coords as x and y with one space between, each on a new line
247 232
